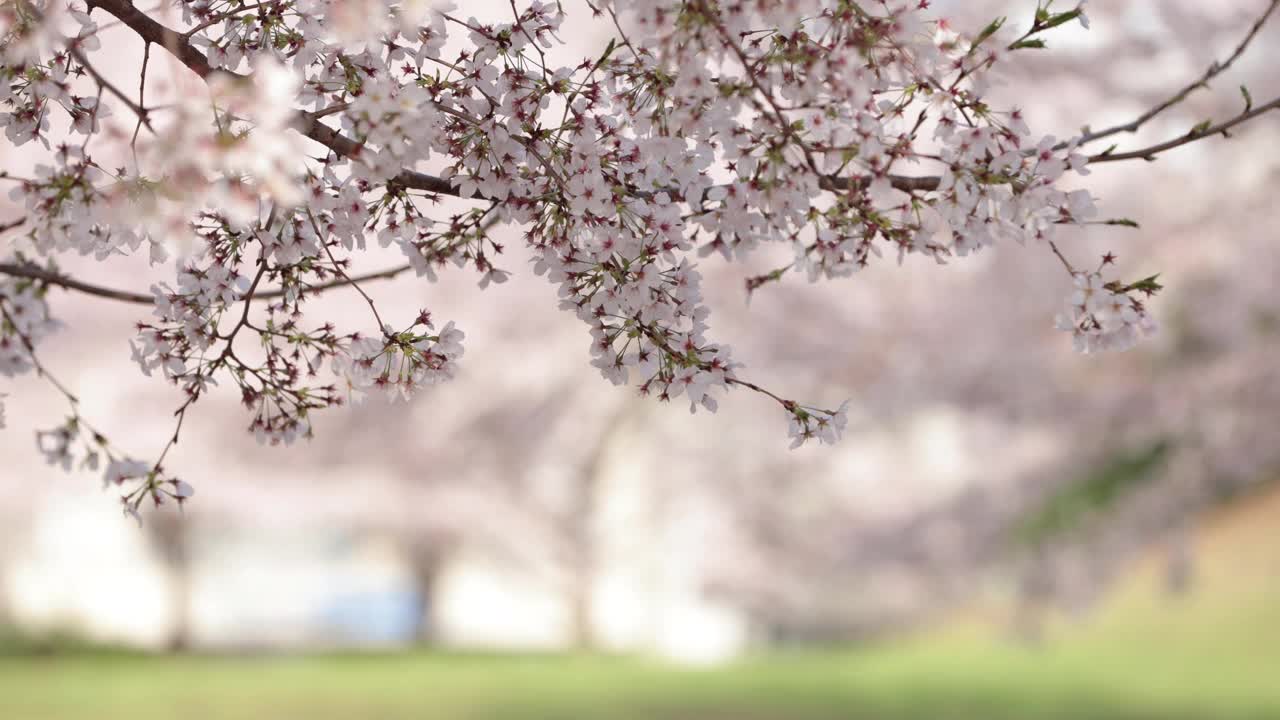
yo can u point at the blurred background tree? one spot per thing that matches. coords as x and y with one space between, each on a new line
544 511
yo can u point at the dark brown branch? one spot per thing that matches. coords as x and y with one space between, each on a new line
35 272
905 183
31 271
311 127
153 32
7 226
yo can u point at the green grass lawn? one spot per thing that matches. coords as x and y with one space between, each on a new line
937 682
1212 655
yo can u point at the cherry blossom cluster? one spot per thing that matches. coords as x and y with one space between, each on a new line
35 59
400 363
1103 315
75 443
248 158
73 440
827 133
61 197
24 321
193 338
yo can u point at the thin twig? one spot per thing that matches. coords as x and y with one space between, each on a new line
142 93
1149 153
388 274
137 109
1214 70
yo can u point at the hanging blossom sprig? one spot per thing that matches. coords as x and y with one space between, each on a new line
841 132
25 321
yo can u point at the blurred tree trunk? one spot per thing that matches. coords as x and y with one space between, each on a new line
6 615
583 538
426 557
170 533
12 528
582 551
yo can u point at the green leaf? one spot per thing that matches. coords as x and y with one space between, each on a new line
1059 19
1248 99
1148 285
1034 43
987 32
1202 127
613 45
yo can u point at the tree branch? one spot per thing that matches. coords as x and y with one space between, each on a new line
138 110
31 271
309 124
311 127
7 226
905 183
1214 70
388 274
1149 153
153 32
181 48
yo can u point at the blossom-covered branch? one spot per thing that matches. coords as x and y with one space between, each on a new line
827 132
1214 70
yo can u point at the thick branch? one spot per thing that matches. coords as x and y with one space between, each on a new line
31 271
345 146
7 226
153 32
35 272
905 183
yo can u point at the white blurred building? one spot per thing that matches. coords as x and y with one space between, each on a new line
77 568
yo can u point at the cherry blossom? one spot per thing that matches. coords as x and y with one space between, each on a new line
834 134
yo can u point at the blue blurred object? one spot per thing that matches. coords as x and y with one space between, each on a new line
388 617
